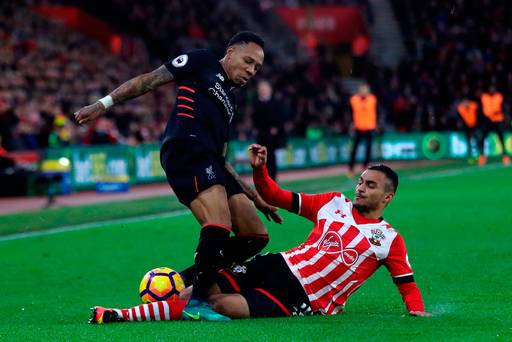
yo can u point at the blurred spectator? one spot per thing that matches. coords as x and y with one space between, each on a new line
269 118
103 132
60 135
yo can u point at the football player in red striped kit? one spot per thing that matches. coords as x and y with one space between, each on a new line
350 240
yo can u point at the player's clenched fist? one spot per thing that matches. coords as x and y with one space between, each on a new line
89 113
257 155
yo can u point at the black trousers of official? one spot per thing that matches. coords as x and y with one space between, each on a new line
496 127
272 144
472 133
366 136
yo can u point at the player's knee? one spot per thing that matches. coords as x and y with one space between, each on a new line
232 306
219 305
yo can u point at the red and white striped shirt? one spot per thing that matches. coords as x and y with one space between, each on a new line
343 250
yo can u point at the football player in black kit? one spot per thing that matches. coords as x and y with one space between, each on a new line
193 156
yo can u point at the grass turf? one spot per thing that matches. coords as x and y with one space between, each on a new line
455 223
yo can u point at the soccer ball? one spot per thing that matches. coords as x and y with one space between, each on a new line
159 284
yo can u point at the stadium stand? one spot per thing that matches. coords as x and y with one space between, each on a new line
50 71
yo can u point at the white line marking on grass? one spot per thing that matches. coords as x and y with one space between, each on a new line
64 229
91 225
441 309
454 172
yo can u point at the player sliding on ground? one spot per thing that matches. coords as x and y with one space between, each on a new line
348 243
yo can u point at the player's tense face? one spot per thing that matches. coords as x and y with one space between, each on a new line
371 193
243 62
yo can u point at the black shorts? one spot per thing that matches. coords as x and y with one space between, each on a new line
268 285
190 169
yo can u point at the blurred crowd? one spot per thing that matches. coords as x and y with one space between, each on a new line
454 50
311 91
49 71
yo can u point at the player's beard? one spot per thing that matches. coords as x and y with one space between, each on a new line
364 208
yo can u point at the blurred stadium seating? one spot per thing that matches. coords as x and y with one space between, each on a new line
49 71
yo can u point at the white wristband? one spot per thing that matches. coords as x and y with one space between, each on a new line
107 101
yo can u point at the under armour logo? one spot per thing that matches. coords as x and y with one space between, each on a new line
209 171
220 77
338 212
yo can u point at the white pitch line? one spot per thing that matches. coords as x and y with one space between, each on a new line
454 172
64 229
84 226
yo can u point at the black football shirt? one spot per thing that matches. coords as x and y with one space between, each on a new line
205 103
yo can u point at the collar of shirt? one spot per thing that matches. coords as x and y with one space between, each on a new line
360 219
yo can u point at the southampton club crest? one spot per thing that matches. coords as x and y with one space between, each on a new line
377 237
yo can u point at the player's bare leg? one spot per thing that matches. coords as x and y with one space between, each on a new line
211 207
244 216
232 305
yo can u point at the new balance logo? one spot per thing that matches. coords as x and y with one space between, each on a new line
209 171
239 269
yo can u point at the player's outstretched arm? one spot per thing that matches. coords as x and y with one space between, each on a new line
135 87
402 274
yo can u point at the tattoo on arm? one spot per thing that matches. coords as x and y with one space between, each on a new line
141 84
250 192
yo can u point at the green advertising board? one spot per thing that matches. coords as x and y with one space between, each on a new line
147 164
100 164
141 164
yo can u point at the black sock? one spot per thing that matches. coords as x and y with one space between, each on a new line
208 259
238 249
188 275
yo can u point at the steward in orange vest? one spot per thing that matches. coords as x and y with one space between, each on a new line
468 111
364 114
492 108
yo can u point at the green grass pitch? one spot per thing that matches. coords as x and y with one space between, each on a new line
456 222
